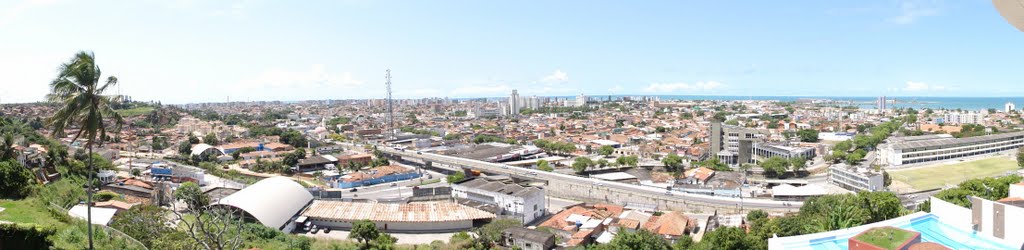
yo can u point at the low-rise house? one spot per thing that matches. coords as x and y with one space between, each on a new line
523 203
527 239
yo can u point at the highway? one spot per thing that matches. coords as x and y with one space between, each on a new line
622 188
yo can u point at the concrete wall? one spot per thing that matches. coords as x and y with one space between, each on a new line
951 214
1014 226
598 194
419 227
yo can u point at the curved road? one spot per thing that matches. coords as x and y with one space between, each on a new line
616 186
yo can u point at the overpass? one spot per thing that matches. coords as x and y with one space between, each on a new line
594 190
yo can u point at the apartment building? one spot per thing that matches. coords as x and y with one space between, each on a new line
855 178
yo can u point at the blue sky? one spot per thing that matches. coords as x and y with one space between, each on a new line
199 51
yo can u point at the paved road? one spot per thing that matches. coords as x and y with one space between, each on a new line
622 188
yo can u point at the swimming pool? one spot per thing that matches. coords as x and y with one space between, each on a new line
931 229
928 224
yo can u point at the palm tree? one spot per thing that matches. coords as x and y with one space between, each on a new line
7 150
78 91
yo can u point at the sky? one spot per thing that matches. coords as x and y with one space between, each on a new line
182 51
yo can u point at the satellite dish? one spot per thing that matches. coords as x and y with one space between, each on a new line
1012 11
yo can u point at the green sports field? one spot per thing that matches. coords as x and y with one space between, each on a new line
939 175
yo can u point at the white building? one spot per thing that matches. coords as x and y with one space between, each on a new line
944 148
581 100
534 103
514 103
1009 107
855 178
526 203
965 117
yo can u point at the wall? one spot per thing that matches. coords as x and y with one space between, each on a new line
599 194
383 179
951 214
1014 228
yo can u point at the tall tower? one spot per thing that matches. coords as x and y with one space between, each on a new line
513 103
391 113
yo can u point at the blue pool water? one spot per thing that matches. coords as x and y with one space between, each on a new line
931 231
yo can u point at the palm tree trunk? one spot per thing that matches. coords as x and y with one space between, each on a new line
88 204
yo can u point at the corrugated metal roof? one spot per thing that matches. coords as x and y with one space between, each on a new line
440 211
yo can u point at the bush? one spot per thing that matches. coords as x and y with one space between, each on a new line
106 196
17 236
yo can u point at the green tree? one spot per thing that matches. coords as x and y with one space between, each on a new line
192 195
364 231
602 162
192 139
383 242
1020 157
881 205
184 148
458 176
673 163
684 242
7 147
15 179
606 150
775 165
145 223
82 104
726 238
808 135
798 163
211 139
581 164
886 179
544 165
640 240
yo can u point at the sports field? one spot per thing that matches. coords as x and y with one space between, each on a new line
939 175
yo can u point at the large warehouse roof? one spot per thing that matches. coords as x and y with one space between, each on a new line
272 201
380 212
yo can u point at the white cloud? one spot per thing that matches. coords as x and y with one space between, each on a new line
921 86
558 76
482 90
911 11
674 87
617 89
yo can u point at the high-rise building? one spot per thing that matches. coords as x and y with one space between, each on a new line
514 103
534 103
1009 107
581 100
881 103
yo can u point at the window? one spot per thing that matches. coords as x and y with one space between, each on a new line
534 207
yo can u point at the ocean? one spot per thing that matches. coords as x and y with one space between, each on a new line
922 102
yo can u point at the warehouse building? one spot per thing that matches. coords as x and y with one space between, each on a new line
420 217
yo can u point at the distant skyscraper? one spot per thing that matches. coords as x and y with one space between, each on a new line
581 100
881 103
1010 107
514 103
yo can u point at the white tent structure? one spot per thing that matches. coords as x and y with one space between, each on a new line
1012 11
272 201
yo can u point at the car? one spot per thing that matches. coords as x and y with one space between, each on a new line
353 190
394 184
315 230
419 153
327 230
504 166
668 192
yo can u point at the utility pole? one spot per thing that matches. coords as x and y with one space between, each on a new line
391 113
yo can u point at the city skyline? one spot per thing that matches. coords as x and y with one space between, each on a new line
192 52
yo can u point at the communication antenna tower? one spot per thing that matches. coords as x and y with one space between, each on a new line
391 113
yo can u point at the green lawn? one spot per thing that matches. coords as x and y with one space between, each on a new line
135 111
26 211
952 174
886 238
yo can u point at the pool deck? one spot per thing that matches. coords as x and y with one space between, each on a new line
822 240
